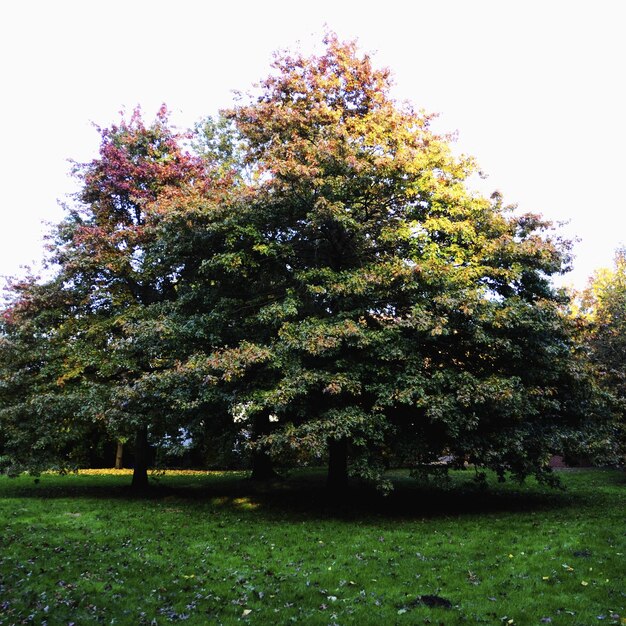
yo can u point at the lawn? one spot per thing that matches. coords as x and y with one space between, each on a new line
216 549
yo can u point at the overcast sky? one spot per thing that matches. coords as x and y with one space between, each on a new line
534 89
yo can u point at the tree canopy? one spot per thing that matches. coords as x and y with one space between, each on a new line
315 279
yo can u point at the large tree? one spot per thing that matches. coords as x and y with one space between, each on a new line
112 243
412 317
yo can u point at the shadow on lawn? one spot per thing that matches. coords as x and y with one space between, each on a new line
307 496
406 501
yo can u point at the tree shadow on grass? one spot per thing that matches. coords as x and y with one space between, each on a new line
306 496
408 501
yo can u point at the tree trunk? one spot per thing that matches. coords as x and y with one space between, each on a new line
140 471
337 464
262 467
119 451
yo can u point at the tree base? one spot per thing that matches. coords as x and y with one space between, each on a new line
262 468
140 471
140 483
337 481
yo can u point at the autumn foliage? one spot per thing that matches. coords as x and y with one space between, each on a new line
314 282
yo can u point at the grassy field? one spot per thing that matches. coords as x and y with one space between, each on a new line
215 549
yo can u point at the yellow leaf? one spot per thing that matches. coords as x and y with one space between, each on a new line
584 583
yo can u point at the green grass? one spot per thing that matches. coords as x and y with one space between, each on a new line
215 549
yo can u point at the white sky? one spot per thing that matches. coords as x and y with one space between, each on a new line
535 89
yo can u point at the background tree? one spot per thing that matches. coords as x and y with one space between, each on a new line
112 267
603 304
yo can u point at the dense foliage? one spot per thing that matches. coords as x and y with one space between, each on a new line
102 322
604 308
314 281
